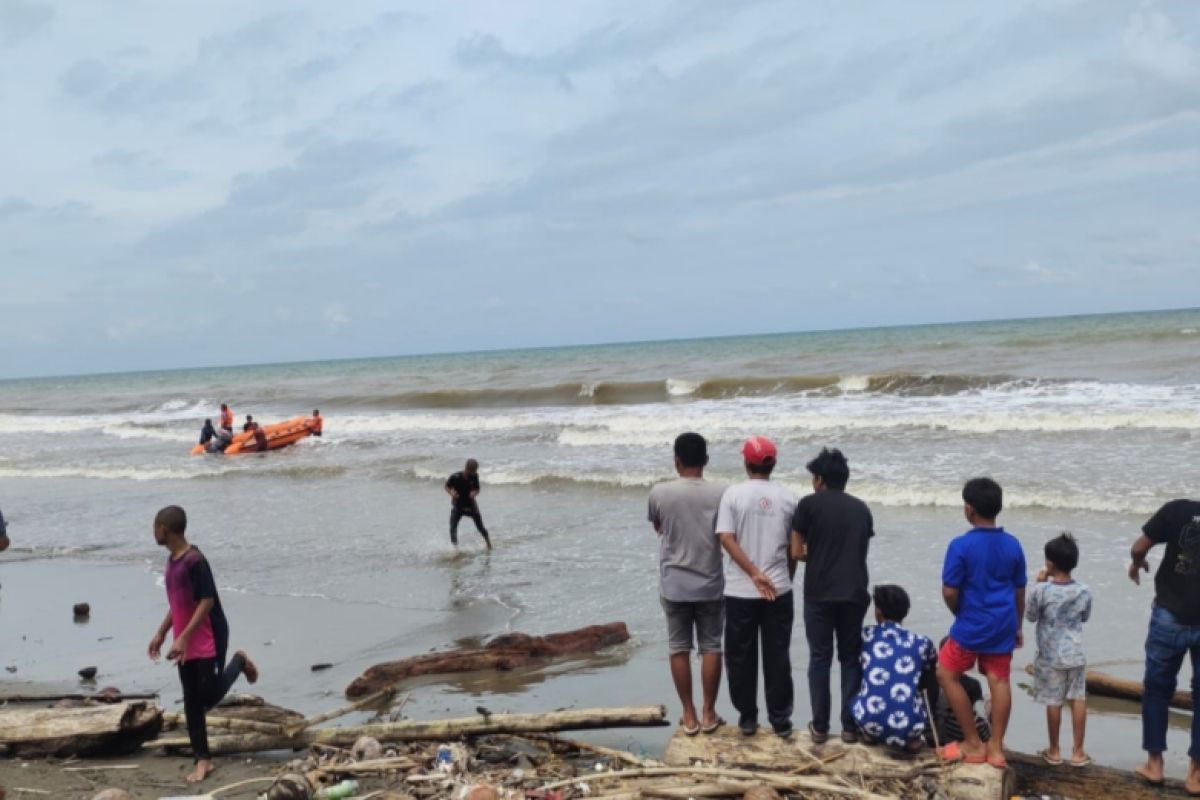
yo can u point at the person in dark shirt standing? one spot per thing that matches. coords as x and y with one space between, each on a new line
831 532
1174 629
463 488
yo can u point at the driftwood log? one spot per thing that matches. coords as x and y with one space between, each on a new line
1035 777
92 730
504 652
727 748
1105 685
385 732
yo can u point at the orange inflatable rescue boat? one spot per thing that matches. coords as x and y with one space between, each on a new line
281 434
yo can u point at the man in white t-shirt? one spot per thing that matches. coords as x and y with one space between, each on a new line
754 524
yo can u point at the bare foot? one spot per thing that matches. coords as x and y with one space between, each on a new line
249 668
1192 785
203 770
1152 770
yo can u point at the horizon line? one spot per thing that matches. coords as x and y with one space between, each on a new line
586 345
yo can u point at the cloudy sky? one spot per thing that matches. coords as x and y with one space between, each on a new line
220 182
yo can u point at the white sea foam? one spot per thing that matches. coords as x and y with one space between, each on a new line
125 431
854 383
677 387
98 473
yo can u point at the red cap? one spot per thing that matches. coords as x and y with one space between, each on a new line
758 450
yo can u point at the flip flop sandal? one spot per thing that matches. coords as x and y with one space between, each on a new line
1045 755
1147 780
689 731
706 729
998 763
1086 761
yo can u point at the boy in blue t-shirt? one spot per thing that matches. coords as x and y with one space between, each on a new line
983 584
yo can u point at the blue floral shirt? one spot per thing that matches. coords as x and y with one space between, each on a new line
889 707
1060 609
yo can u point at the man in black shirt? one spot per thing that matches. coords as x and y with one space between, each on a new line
463 487
831 532
1174 629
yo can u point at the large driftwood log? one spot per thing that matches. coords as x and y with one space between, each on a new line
728 748
1035 777
581 719
505 652
1105 685
92 730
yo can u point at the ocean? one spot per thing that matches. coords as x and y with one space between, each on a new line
1089 423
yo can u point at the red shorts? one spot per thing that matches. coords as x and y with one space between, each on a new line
957 659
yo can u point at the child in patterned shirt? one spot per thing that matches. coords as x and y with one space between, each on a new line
1060 606
889 708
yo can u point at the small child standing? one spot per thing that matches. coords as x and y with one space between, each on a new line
983 585
1060 606
889 707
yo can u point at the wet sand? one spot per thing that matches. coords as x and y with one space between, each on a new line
286 635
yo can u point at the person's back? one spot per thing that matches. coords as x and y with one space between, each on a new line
689 554
759 514
226 417
889 708
989 565
260 437
691 584
983 585
754 525
838 529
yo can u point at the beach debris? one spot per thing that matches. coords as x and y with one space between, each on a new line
324 665
11 669
435 730
111 694
366 748
339 791
112 794
505 652
88 673
82 611
761 791
98 729
290 786
481 792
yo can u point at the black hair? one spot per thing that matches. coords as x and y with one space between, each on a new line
472 465
316 411
173 518
691 449
764 467
891 602
1063 552
985 496
831 467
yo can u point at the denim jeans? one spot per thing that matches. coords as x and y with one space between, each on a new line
823 624
1166 644
746 622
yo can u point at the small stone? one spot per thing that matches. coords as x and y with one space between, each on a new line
292 786
481 792
366 748
82 610
11 669
761 792
109 694
112 794
88 673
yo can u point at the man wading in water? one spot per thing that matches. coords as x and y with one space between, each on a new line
201 634
463 487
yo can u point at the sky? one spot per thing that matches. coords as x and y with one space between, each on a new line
216 183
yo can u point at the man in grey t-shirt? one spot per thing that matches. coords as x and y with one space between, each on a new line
683 512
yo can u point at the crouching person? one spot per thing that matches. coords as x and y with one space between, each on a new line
889 708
